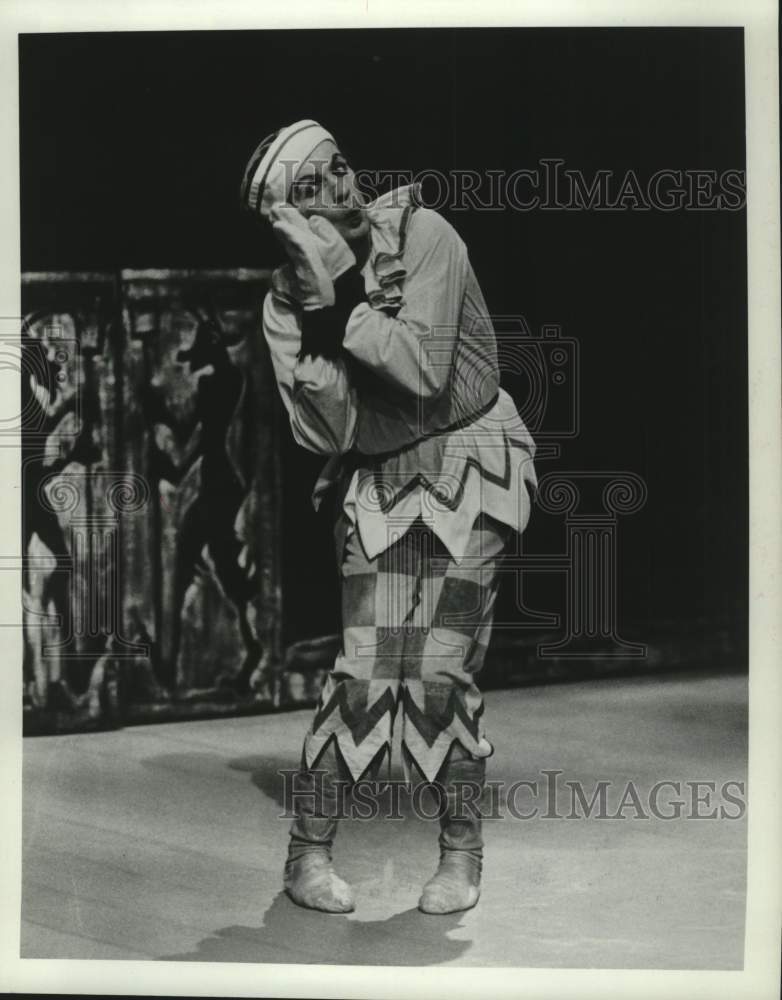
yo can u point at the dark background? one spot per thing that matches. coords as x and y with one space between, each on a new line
133 146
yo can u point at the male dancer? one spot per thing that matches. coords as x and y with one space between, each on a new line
386 361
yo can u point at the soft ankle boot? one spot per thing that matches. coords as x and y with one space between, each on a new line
310 879
456 885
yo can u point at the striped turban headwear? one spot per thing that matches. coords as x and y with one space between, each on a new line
275 162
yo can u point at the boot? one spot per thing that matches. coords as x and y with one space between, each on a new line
310 879
456 885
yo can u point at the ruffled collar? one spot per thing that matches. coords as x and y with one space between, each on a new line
384 273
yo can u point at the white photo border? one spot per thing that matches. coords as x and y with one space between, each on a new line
760 977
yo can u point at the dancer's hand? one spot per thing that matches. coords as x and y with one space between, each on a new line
334 251
314 285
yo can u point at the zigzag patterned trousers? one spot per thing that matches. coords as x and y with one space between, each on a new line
415 628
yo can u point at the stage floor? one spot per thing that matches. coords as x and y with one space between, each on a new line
166 842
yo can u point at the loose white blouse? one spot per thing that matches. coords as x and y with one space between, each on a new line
394 411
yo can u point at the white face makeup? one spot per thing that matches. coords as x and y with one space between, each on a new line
324 185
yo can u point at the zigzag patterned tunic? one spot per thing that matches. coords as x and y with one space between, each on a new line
431 460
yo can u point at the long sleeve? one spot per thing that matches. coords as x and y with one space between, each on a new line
316 391
414 349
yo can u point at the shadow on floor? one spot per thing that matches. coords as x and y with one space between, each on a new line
291 934
265 773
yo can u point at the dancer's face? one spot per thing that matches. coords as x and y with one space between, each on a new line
325 185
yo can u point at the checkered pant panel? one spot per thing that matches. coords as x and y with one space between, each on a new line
416 626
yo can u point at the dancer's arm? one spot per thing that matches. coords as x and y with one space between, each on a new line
413 350
316 390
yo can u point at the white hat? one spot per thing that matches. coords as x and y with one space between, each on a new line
275 163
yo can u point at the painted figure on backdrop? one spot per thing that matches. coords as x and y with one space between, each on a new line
43 407
208 523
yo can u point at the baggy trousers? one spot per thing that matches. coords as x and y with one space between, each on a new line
415 630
